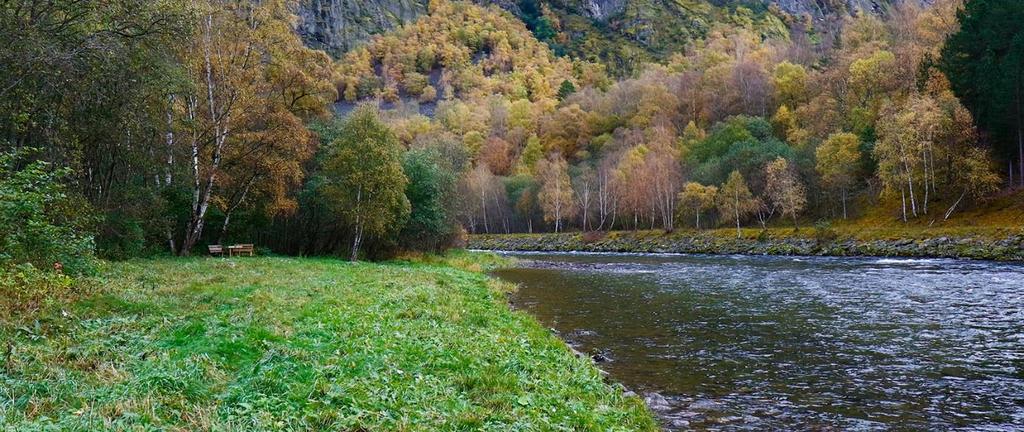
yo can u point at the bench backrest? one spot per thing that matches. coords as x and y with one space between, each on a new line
245 247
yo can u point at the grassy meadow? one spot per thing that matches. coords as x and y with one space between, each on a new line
297 344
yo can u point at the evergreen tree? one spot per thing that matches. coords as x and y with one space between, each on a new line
985 64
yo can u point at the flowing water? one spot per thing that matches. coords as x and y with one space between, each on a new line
785 343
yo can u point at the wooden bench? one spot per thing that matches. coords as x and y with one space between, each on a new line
242 249
217 250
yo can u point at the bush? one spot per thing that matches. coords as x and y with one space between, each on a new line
24 290
40 224
121 237
823 232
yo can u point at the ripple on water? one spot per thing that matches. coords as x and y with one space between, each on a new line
756 343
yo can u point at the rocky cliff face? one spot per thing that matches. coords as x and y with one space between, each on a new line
338 25
601 10
816 8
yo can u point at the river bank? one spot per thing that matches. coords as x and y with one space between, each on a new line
1004 247
272 343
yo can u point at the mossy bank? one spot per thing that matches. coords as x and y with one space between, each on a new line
297 344
1005 247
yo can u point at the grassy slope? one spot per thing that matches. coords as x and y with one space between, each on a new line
997 219
299 344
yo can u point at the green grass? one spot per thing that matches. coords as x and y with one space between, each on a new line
299 344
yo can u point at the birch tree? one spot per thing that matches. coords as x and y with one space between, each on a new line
363 179
735 200
697 198
784 189
838 160
251 80
555 195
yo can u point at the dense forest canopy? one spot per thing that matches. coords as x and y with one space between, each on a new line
169 125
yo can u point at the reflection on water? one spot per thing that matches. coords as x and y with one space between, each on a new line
754 343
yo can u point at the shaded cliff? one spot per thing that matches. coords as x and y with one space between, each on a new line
620 33
336 26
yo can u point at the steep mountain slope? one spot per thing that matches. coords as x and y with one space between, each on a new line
336 26
619 33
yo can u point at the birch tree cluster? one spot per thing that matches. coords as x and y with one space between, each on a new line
178 124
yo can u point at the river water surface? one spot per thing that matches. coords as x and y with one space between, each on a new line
770 343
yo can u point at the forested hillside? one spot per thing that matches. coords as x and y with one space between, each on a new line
623 34
740 127
134 127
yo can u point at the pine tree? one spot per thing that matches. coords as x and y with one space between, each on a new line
985 64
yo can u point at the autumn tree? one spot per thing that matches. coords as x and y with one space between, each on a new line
584 185
495 153
697 198
838 162
606 198
784 188
363 179
661 168
480 185
735 200
629 184
790 83
556 195
899 154
251 79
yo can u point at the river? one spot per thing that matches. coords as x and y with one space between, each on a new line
794 343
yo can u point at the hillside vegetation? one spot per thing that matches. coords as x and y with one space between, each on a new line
177 125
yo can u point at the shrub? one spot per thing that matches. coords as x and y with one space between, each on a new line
823 232
593 236
24 290
40 223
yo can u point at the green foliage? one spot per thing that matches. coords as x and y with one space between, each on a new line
985 64
566 89
430 192
40 222
740 143
123 237
300 344
25 291
363 180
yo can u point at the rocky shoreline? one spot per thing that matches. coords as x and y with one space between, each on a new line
1010 248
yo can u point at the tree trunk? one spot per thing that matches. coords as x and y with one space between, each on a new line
953 207
219 120
357 236
483 204
910 186
356 240
844 203
233 207
169 229
737 208
903 194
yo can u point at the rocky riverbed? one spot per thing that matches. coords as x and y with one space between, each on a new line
1010 248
